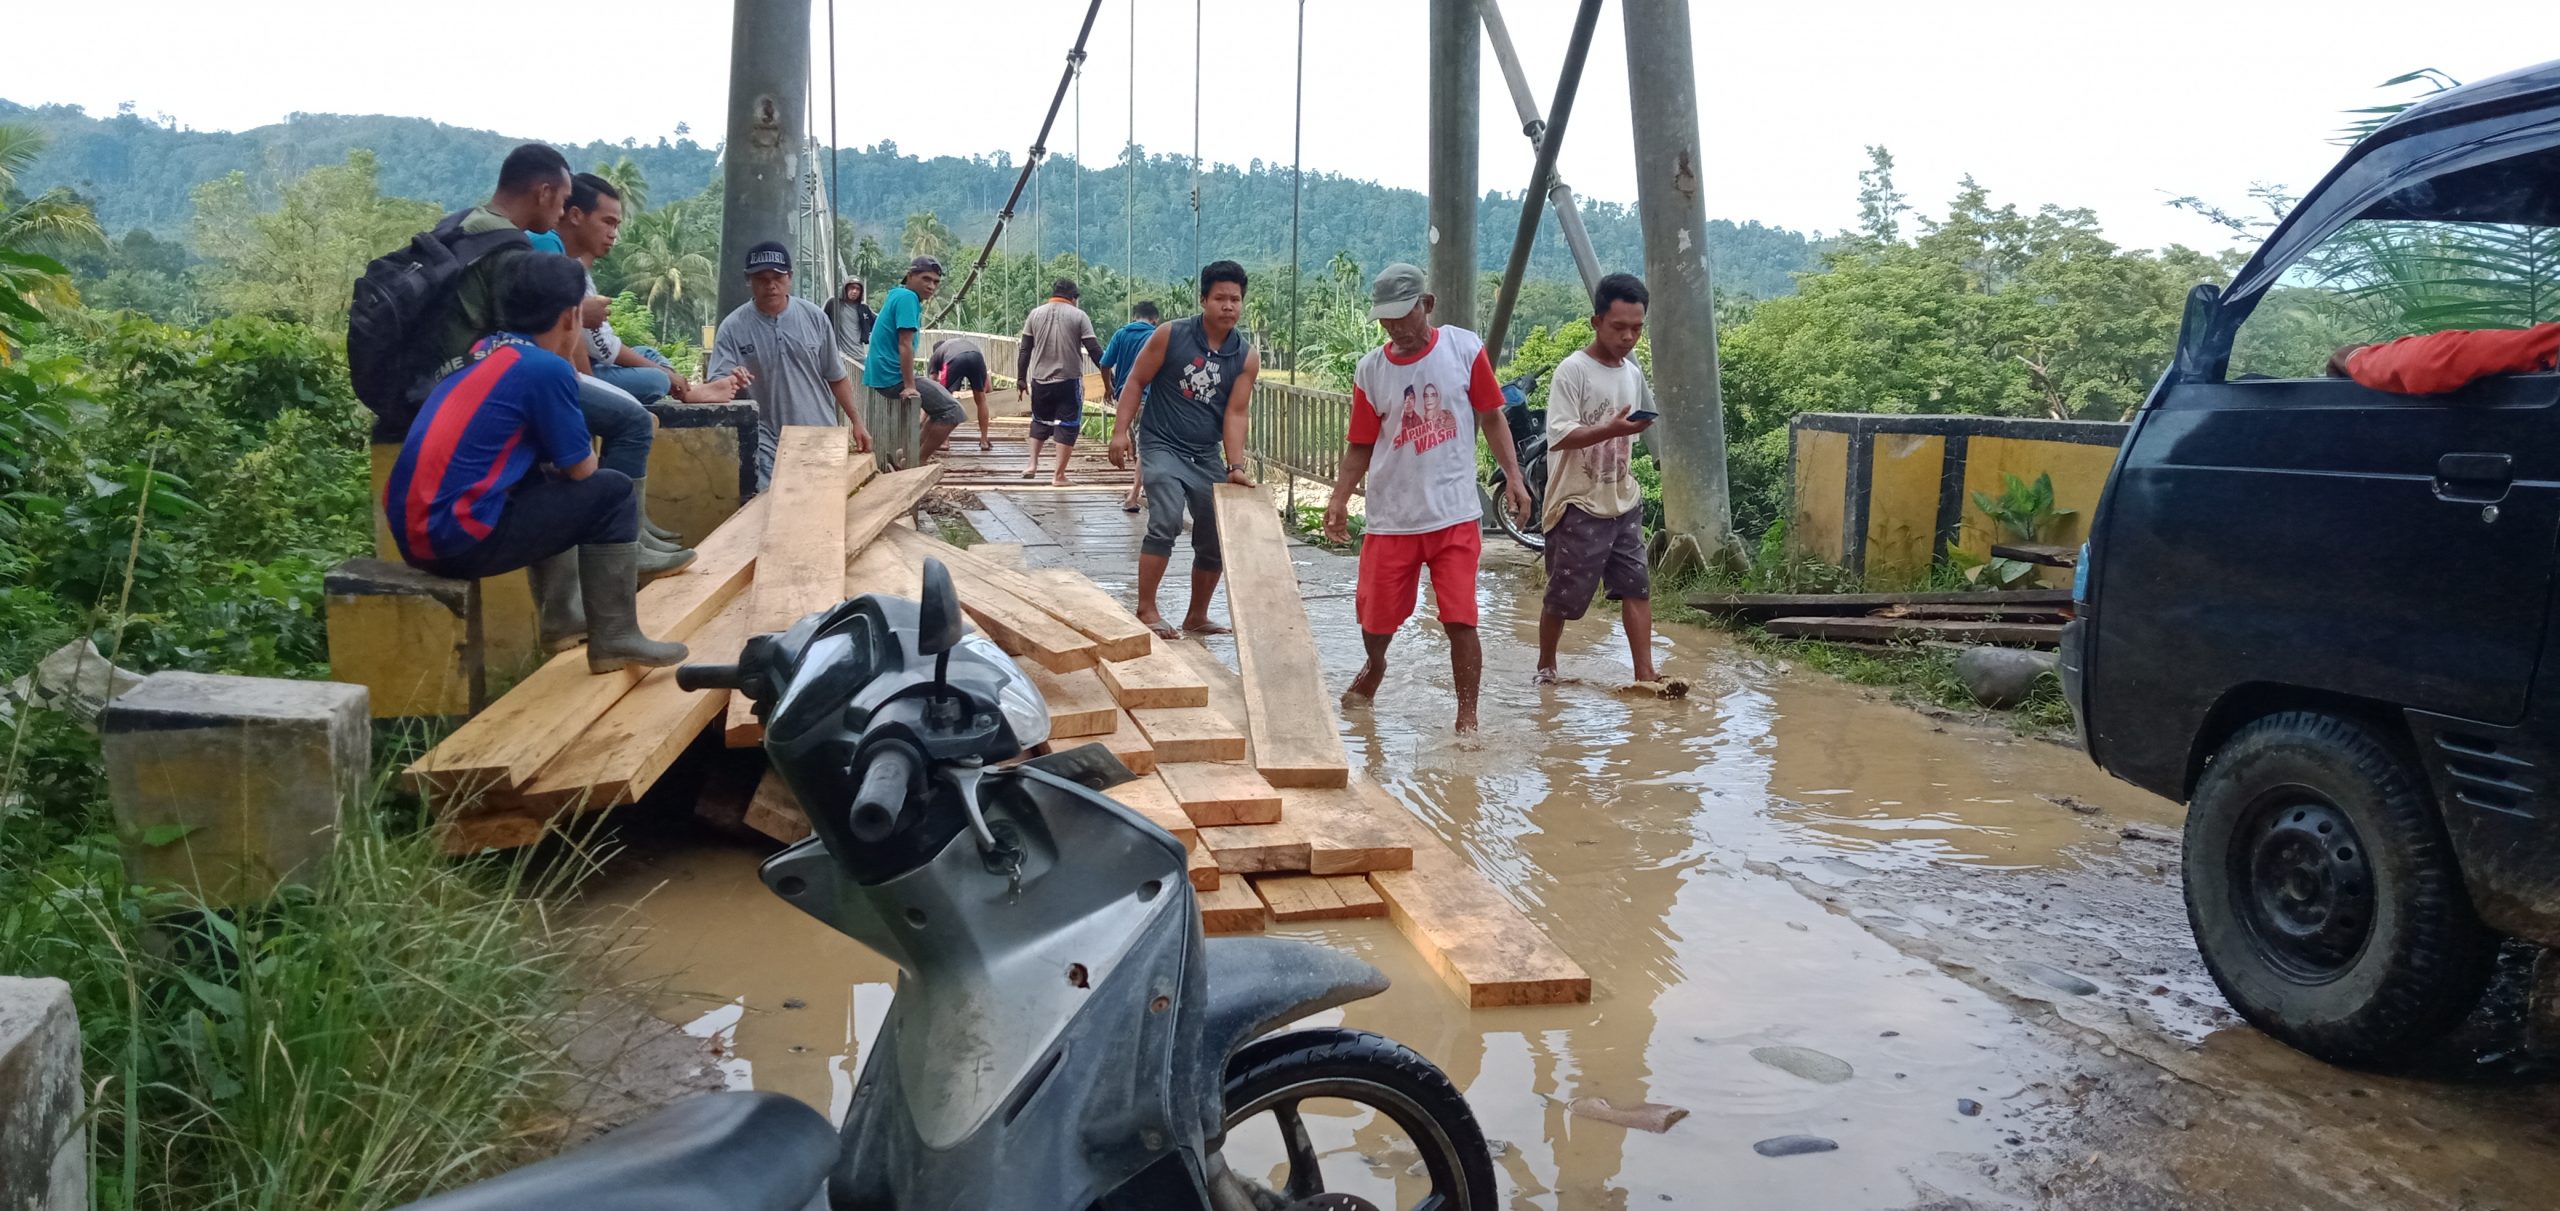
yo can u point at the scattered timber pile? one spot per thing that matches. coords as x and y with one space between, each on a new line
2018 618
1248 772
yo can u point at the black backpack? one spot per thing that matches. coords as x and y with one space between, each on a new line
402 293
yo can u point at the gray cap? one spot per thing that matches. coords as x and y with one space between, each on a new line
1396 292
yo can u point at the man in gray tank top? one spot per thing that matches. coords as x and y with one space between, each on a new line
1187 394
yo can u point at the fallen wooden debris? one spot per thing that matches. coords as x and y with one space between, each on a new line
1913 630
1212 795
505 746
776 813
1760 607
1079 704
1296 740
1162 678
1992 613
1319 898
801 557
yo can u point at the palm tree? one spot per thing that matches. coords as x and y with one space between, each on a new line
668 261
632 183
924 235
34 231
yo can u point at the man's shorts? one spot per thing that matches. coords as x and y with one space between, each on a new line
1391 576
940 406
1057 411
1586 552
1175 482
965 372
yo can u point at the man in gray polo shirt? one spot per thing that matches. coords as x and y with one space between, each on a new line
788 351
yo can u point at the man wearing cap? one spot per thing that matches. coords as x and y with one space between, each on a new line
1423 503
788 351
889 371
1049 367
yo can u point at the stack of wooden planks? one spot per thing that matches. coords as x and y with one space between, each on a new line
2023 617
565 740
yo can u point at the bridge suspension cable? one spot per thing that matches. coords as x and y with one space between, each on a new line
1039 149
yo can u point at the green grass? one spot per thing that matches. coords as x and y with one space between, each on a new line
396 1031
1918 676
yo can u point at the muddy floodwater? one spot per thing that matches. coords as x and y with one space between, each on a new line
1955 954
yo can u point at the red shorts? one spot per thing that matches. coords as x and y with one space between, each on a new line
1391 575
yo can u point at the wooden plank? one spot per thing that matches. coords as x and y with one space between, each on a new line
1106 623
1162 678
1296 740
775 813
1001 554
1319 898
1097 615
1147 796
890 499
801 552
1079 704
1977 613
1191 733
1912 630
1024 529
1214 795
1481 946
1129 744
503 747
1017 627
1255 849
1349 830
1230 907
1756 607
1200 867
619 757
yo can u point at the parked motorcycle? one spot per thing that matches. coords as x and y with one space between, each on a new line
1063 1036
1529 437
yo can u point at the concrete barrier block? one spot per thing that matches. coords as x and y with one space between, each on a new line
44 1159
411 639
510 628
233 786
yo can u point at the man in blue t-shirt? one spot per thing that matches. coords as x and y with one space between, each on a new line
889 373
1117 359
470 498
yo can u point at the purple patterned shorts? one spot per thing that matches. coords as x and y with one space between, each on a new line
1586 552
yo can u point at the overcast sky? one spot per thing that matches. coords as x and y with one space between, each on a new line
2112 106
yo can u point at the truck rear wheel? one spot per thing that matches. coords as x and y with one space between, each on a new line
2324 896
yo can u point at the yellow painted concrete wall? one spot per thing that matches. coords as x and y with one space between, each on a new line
2079 474
693 480
1902 504
413 653
1821 496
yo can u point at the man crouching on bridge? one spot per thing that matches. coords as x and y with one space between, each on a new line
466 500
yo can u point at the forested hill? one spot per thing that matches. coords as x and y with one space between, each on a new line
138 174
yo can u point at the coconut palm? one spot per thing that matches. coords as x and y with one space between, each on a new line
34 231
925 235
667 260
630 182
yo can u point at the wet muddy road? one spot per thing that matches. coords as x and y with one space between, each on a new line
1957 955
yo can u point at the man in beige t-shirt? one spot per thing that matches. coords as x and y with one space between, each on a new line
1056 338
1594 514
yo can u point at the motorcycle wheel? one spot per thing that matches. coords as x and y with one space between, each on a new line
1273 1076
1533 464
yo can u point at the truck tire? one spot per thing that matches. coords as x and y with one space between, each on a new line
2324 896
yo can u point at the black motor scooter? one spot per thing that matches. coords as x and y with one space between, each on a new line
1529 439
1063 1036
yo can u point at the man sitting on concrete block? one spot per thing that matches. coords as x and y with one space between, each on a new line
466 500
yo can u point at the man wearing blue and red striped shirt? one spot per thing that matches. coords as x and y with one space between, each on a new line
469 497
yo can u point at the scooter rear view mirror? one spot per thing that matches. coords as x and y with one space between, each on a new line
938 626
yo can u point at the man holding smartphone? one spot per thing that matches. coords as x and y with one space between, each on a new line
1594 515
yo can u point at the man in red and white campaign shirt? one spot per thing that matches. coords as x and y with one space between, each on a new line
1421 394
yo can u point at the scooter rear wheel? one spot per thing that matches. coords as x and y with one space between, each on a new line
1275 1075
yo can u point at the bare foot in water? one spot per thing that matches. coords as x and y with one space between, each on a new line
1466 721
1364 687
1202 626
1156 623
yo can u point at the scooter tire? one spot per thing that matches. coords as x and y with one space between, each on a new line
1342 1063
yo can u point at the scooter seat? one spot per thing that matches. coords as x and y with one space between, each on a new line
1259 984
734 1151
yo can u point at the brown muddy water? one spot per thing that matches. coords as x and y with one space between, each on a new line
1806 911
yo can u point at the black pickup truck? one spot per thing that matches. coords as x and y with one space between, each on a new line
2318 613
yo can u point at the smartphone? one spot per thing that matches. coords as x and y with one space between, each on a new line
1643 414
